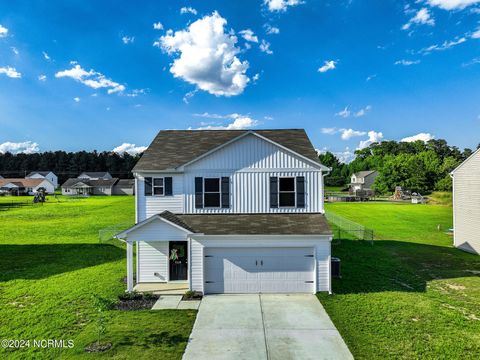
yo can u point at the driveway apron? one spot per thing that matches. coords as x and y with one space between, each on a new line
264 326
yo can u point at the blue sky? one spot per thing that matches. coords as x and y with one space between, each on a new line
90 75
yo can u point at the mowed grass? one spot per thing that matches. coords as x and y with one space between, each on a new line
52 263
410 294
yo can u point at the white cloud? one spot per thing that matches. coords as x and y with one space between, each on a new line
207 56
11 72
15 50
91 79
476 34
186 10
240 122
328 65
422 136
452 4
407 62
373 137
347 134
42 77
128 39
45 55
363 112
345 113
271 29
3 31
371 77
445 46
248 35
158 26
265 47
132 149
26 147
256 77
76 99
422 17
345 157
281 5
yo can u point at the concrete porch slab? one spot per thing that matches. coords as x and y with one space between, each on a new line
170 288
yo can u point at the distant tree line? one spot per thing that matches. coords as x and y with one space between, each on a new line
67 164
416 166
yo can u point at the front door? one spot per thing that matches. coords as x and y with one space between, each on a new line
178 260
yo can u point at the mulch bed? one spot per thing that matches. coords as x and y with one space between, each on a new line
136 302
194 296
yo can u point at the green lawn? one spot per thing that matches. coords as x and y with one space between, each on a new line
410 294
52 263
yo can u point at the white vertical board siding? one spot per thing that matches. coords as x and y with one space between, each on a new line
151 205
323 257
196 266
250 193
152 260
250 152
466 205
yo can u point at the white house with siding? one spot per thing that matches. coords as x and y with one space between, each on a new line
230 211
49 175
466 204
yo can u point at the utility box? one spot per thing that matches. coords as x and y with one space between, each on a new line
336 268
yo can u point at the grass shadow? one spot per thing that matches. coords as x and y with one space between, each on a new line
42 261
391 265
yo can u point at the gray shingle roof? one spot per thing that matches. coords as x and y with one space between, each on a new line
173 148
43 173
95 183
96 174
251 224
362 174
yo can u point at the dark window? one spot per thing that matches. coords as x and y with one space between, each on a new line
211 193
286 191
158 188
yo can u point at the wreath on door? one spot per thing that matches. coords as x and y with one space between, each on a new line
174 254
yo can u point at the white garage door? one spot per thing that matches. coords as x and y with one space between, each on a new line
259 270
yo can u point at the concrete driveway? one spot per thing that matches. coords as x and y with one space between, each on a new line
266 326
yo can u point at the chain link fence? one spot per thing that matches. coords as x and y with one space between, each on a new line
346 229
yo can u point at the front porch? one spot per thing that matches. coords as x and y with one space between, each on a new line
169 288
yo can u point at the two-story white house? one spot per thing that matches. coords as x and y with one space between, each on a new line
49 175
230 211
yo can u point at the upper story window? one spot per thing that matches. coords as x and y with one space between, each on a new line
211 193
286 192
158 188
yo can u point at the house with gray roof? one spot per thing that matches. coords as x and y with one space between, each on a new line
230 211
363 180
95 175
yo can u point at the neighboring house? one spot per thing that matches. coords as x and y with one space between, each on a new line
20 186
44 175
230 211
99 175
466 204
124 187
363 180
86 187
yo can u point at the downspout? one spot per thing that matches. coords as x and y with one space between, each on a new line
323 188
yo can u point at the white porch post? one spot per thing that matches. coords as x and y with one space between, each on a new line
129 266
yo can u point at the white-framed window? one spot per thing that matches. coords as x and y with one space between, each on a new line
158 186
286 192
211 192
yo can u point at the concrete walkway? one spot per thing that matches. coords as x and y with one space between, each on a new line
175 302
266 326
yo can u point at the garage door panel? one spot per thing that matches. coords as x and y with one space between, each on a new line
254 270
